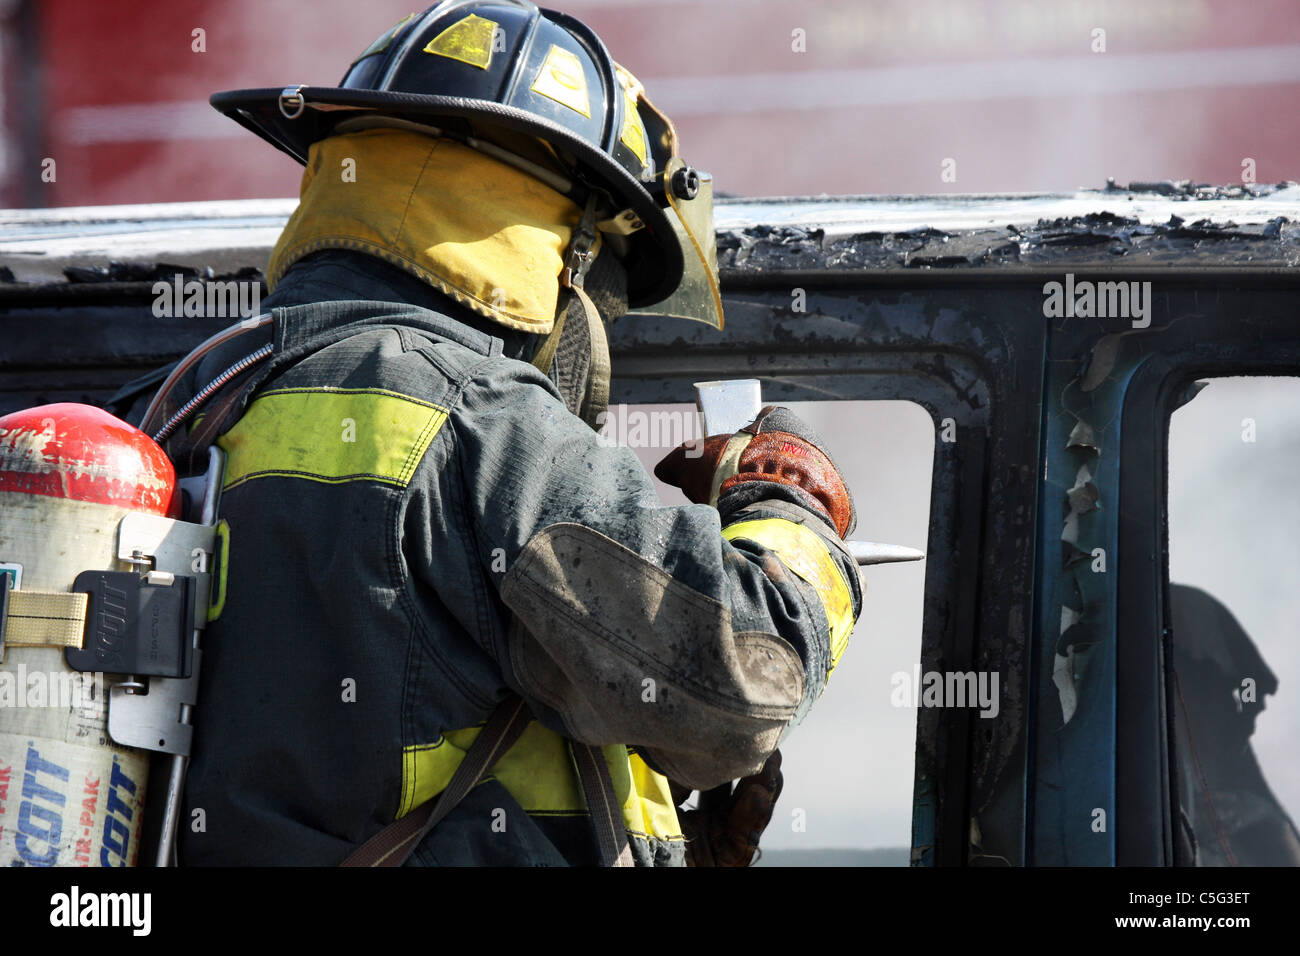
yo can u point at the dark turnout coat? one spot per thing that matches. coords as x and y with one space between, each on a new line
418 528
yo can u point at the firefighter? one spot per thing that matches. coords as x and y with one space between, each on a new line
439 582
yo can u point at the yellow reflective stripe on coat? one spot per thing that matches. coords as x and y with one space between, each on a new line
538 772
807 555
648 806
331 435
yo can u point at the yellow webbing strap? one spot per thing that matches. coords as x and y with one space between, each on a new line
45 619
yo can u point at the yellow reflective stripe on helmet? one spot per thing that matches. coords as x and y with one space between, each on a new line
538 772
633 135
331 435
562 79
807 555
469 40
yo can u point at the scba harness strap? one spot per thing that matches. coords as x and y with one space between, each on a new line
41 618
394 844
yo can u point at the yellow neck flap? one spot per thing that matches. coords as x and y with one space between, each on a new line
483 232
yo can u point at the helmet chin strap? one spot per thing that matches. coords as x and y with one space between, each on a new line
596 400
593 402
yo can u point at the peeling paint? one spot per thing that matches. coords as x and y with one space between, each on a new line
1081 498
1082 436
1063 678
1070 529
1100 361
1073 554
24 451
1084 497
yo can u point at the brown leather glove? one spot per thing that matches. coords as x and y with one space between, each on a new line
776 447
724 829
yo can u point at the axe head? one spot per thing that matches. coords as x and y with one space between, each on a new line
730 405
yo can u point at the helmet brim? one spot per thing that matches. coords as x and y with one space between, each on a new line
658 263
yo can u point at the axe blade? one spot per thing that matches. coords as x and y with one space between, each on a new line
728 406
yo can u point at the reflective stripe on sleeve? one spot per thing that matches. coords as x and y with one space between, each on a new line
807 555
331 435
647 800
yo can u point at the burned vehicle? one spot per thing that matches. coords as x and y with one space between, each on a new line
1054 342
